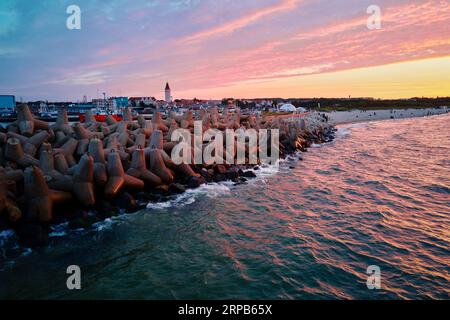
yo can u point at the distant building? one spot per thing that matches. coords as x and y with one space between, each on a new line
135 102
287 107
102 103
168 93
119 102
7 103
80 107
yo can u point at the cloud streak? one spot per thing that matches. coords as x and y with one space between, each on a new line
241 22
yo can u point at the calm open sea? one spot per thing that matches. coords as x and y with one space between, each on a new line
378 195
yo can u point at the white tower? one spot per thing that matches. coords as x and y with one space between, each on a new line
167 91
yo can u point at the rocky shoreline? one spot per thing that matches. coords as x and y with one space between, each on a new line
87 172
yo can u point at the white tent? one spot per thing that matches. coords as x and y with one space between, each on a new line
300 109
288 107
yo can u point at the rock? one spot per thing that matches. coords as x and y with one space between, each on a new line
32 235
232 173
207 176
86 220
164 188
219 177
126 201
107 210
176 188
195 182
221 169
239 181
249 174
145 197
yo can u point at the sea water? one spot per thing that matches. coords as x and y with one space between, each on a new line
379 195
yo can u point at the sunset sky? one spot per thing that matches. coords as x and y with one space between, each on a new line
224 48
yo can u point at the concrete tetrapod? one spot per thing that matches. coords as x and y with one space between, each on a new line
62 123
39 197
68 149
25 121
117 178
95 149
14 152
158 166
138 169
83 181
7 204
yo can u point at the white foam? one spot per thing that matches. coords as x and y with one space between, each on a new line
56 234
5 235
26 252
210 190
59 230
103 225
345 130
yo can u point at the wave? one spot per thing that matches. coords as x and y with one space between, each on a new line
5 236
346 129
210 190
59 230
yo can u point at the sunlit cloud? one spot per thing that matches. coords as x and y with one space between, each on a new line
241 22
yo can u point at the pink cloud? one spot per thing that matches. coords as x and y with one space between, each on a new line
247 19
409 32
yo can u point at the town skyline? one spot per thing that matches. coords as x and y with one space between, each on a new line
213 50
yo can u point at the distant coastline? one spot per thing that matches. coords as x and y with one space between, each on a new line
352 116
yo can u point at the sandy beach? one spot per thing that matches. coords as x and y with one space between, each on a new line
343 117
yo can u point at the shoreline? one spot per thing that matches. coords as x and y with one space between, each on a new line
358 116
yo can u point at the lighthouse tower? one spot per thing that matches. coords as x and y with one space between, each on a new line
167 91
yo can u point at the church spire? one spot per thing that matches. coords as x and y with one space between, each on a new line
168 96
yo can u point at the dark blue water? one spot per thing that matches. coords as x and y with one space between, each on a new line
378 195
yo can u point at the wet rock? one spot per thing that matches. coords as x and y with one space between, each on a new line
232 173
107 210
221 169
249 174
239 181
195 182
207 175
126 201
145 197
176 188
218 177
162 189
81 223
